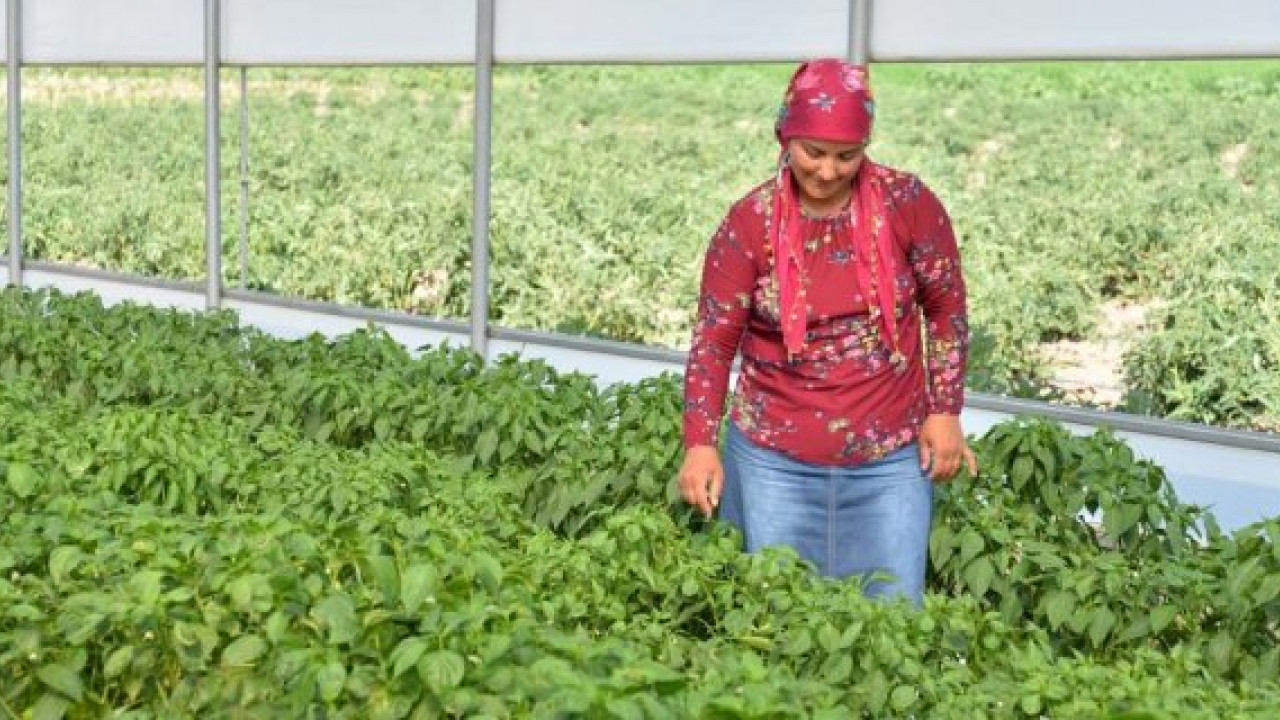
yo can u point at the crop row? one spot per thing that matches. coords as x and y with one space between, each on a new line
200 519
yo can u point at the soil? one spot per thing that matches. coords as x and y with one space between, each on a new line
1091 371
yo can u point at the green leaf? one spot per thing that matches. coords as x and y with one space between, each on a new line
406 655
940 545
1021 471
118 661
971 543
799 643
147 585
903 697
78 626
50 707
386 577
1100 625
1045 457
277 625
1268 588
486 444
338 615
837 669
1220 651
63 679
489 571
1059 607
877 692
570 700
62 561
22 479
1120 519
829 638
243 651
1161 617
442 670
978 575
331 678
416 584
624 708
1243 575
1011 608
241 592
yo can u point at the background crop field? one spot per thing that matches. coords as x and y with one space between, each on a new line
1119 222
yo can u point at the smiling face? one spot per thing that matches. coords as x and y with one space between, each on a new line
824 172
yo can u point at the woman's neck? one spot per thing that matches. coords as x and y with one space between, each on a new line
825 208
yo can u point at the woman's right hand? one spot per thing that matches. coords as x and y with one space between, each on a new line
702 478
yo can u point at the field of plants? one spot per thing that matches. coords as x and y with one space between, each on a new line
203 521
1082 192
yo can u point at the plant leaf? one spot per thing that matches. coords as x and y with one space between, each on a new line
442 670
63 679
243 651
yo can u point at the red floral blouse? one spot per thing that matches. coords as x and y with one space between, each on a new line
840 401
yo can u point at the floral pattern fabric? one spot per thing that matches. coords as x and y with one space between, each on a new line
843 399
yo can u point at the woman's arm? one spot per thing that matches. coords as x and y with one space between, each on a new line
935 262
724 303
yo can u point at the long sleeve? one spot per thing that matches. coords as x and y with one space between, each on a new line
724 303
935 261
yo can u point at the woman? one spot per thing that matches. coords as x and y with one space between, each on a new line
842 416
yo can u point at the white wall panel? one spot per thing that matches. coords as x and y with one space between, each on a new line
335 32
112 31
263 32
1019 29
674 30
443 31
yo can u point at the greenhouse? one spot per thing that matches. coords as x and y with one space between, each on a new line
342 350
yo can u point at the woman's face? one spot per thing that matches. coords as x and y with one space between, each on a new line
824 170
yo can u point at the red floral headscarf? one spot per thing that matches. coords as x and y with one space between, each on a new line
830 100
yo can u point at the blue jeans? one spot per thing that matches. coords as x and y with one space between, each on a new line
870 520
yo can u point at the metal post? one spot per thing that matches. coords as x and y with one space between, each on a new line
481 176
859 31
14 47
244 177
212 157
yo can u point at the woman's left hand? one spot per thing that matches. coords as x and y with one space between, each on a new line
942 448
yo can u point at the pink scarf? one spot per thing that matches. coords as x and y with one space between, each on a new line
830 100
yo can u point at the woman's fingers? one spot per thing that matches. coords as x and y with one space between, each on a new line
707 492
702 489
943 469
942 463
702 479
947 465
689 488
